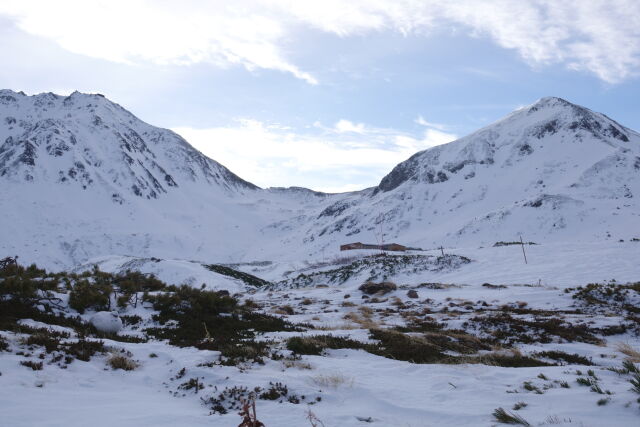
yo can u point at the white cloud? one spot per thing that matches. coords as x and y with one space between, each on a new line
327 160
598 36
344 126
184 33
422 122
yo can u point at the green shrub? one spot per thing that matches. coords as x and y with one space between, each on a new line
315 345
85 296
573 359
208 319
396 345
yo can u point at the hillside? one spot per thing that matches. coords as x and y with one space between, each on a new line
553 171
83 178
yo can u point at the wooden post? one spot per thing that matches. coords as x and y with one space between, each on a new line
523 252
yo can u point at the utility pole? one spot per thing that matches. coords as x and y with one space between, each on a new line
523 252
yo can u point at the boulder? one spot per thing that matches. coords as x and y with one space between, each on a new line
106 321
412 293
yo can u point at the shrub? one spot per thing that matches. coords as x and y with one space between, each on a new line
315 345
635 383
193 383
382 288
83 350
573 359
519 406
396 345
208 319
85 296
245 351
36 366
121 362
505 417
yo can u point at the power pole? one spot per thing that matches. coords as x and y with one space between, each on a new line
523 252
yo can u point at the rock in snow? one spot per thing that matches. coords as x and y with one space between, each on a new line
106 321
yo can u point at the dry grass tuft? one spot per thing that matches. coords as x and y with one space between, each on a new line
365 321
334 380
123 362
632 354
336 327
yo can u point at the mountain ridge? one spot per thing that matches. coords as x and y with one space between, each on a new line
84 178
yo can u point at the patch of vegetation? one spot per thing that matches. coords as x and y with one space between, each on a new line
316 344
571 359
498 244
36 366
233 398
519 405
131 283
511 361
507 329
624 297
399 346
246 278
90 296
193 384
381 288
431 347
246 351
635 383
208 319
230 399
492 286
60 347
377 268
122 361
505 417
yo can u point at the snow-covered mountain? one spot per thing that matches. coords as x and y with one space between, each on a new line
549 171
88 141
81 177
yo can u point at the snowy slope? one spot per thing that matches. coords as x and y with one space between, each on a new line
550 171
80 177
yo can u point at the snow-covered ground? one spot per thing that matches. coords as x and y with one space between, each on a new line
355 387
86 184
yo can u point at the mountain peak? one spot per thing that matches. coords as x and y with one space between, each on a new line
87 139
550 124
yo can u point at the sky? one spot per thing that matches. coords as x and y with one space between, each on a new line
329 94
